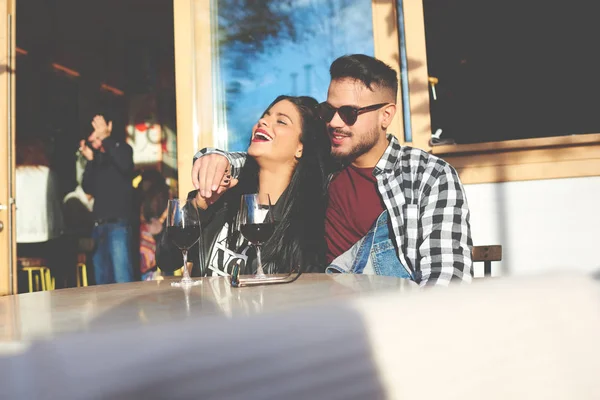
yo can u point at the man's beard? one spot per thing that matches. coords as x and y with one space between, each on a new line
364 145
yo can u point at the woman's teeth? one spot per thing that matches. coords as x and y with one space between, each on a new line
261 135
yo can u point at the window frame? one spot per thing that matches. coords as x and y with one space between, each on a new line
551 157
505 161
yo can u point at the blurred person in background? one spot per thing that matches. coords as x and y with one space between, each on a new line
152 196
39 215
108 178
78 218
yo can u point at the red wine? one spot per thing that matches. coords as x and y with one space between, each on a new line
183 238
258 233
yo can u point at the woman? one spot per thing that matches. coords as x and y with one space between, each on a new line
152 195
289 155
39 215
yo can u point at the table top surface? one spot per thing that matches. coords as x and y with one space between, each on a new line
43 315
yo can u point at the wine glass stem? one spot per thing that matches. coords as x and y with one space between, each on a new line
186 273
259 268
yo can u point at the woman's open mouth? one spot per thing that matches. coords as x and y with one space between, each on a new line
261 136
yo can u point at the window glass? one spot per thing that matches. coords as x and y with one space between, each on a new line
513 69
275 47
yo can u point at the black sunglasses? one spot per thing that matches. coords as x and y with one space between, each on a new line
348 114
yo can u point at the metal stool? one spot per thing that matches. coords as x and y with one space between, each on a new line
81 275
32 265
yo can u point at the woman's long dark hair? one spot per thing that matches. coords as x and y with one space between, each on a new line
299 237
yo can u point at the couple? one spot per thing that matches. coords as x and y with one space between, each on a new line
389 210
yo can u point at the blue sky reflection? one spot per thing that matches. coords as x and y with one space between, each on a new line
324 30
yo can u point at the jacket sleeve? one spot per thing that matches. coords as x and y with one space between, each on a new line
445 250
120 154
89 177
236 159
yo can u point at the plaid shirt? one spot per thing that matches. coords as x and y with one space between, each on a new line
428 209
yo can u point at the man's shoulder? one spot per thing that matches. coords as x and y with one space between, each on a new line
124 144
415 158
417 168
112 143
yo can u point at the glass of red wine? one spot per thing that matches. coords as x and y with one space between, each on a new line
256 223
183 230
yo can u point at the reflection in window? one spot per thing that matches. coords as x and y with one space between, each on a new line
275 47
513 69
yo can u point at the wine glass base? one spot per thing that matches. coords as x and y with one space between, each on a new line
185 284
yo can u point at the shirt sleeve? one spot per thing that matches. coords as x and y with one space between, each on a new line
446 245
89 177
236 159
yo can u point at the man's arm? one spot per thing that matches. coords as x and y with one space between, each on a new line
445 249
89 177
212 168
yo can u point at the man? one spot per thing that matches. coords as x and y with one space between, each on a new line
107 177
393 210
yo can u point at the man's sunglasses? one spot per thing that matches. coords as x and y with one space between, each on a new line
348 114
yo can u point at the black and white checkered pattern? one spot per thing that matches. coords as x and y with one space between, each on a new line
428 209
430 215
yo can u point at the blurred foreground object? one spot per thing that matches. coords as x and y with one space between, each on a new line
525 338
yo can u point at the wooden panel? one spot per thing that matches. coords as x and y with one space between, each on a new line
385 39
416 50
528 159
526 156
193 83
204 54
7 145
184 91
592 138
487 253
528 172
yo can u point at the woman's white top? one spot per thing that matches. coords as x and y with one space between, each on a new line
39 213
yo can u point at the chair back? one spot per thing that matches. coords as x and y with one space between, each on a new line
487 254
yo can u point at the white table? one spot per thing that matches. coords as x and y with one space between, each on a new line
48 314
333 337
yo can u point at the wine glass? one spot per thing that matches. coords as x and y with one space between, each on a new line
183 229
256 223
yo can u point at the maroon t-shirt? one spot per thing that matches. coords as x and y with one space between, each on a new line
354 205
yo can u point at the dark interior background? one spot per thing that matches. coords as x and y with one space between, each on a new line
126 44
513 69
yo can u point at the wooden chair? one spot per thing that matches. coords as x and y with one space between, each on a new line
487 254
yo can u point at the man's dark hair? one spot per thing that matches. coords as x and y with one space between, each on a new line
368 70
